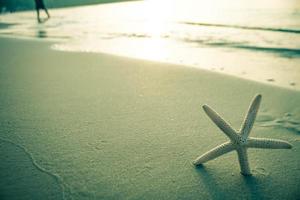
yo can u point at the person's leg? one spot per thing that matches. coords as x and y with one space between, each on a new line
38 15
46 10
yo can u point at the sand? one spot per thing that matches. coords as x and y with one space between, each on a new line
96 126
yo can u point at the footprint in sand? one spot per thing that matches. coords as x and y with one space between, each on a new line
260 171
271 80
292 83
265 118
287 121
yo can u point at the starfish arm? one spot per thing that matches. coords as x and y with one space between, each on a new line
250 118
214 153
243 160
266 143
221 123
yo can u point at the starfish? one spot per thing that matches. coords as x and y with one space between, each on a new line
239 140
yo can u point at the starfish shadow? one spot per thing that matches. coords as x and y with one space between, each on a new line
252 183
210 183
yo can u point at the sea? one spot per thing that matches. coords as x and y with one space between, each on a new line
251 39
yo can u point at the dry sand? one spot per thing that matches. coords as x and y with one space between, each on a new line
95 126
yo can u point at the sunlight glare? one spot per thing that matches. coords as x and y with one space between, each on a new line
156 16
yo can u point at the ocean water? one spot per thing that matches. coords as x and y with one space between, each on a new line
257 40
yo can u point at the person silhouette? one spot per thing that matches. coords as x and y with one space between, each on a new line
39 4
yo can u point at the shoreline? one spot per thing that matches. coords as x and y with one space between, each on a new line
54 42
218 70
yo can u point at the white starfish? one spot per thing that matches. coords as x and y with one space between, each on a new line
239 140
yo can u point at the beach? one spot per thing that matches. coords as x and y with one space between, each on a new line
78 125
250 39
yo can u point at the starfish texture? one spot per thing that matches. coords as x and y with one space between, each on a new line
239 140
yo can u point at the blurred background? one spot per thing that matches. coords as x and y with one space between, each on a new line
252 39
